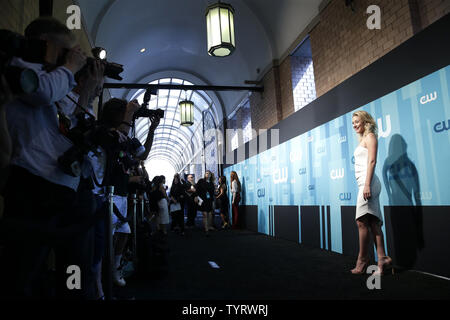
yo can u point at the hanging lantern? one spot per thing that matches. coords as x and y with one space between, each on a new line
220 28
187 113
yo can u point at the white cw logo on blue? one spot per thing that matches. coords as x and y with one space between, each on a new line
337 174
384 133
342 139
280 175
428 98
295 156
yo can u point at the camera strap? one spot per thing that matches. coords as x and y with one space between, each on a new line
119 215
81 107
64 121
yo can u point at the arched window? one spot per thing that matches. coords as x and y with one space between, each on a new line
177 145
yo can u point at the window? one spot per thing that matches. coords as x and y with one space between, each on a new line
303 84
173 144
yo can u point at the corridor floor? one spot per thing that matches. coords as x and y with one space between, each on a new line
257 267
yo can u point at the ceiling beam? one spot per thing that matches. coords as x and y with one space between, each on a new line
179 87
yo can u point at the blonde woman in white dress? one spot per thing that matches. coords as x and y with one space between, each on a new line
368 213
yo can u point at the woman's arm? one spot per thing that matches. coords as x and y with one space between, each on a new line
161 188
372 147
220 192
233 190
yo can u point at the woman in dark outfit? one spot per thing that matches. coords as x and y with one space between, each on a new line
205 191
222 200
177 197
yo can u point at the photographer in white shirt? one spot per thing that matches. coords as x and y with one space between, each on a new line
39 196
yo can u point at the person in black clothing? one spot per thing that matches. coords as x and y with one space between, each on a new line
191 205
222 201
205 197
176 204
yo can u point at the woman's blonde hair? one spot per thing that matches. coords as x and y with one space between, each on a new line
369 123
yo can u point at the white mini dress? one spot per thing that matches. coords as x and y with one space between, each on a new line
372 205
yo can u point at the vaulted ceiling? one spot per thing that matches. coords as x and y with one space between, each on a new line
174 35
173 32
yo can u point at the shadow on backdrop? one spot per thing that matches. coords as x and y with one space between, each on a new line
405 216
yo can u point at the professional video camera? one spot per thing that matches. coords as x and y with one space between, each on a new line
20 80
87 136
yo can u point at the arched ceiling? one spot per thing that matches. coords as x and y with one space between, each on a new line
174 34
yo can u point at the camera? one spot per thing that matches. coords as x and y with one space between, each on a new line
20 80
143 112
112 70
87 136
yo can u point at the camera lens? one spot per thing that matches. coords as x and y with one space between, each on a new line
22 80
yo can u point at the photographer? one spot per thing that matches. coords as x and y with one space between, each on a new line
37 144
118 114
90 197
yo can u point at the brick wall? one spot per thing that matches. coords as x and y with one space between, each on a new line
15 15
303 85
264 106
432 10
286 94
342 45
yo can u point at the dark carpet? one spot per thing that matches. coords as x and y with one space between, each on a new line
257 267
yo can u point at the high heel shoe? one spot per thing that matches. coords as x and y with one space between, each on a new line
384 264
361 266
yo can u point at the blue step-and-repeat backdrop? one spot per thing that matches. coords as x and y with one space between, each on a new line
317 168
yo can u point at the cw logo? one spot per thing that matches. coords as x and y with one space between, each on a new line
280 175
295 156
428 98
385 133
441 126
345 196
337 174
320 149
302 171
261 193
342 139
425 195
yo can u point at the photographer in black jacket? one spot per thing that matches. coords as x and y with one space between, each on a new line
118 115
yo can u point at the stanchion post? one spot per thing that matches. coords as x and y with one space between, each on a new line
109 245
133 196
142 206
